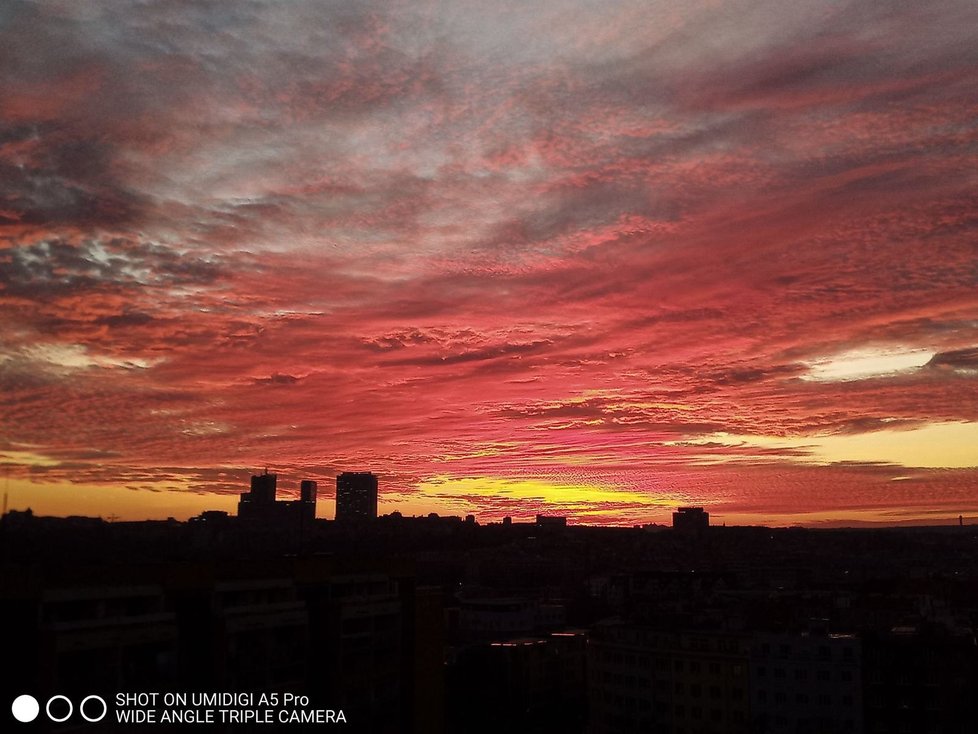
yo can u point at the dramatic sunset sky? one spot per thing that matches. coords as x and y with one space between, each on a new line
590 258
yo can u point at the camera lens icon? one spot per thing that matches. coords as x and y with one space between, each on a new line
58 708
95 707
53 716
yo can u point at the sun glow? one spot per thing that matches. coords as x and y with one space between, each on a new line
932 446
567 496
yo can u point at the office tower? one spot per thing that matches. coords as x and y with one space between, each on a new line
261 499
307 498
356 496
263 488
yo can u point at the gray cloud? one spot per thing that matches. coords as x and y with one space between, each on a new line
57 267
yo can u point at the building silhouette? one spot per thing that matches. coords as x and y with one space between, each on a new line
356 497
691 519
260 504
551 521
260 499
307 491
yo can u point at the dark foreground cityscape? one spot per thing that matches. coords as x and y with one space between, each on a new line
442 624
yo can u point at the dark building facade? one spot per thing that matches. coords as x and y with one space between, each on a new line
809 682
356 497
920 679
648 679
527 684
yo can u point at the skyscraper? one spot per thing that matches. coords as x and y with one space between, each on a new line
356 496
307 498
263 488
261 499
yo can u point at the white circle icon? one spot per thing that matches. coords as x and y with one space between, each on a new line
81 708
25 708
47 709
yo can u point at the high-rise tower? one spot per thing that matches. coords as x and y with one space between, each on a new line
307 498
261 497
356 496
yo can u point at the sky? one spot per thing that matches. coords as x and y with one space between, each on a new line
581 258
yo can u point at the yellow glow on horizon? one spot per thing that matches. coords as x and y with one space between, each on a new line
147 502
540 490
839 518
932 446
